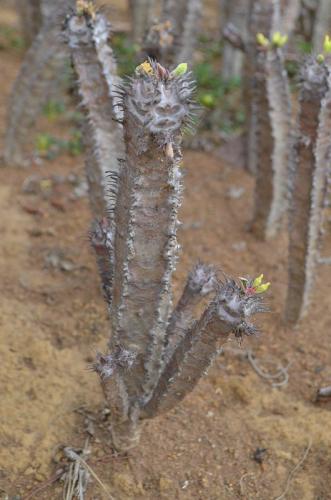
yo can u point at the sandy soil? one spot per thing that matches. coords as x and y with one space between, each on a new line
52 320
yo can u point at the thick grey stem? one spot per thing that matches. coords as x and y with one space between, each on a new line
125 427
289 14
307 177
173 39
264 144
259 21
102 241
189 31
194 354
30 18
233 58
96 72
201 281
155 107
39 74
322 24
280 116
140 15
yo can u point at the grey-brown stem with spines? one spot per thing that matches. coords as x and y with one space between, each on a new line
140 16
125 427
287 15
259 21
226 313
173 38
264 146
281 123
270 125
237 16
30 18
102 241
155 358
307 176
39 75
201 282
87 34
322 24
156 105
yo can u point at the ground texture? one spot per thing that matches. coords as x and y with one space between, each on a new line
53 319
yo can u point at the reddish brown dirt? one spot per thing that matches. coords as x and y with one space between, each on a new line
52 321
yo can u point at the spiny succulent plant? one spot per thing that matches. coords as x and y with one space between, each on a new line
272 105
309 170
157 353
39 75
268 113
267 103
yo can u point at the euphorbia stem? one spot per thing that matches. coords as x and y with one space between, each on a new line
94 64
38 76
308 177
192 357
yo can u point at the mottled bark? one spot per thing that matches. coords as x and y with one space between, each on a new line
308 168
307 18
155 107
260 20
280 116
102 241
189 31
96 71
173 39
290 16
38 76
30 19
200 282
140 18
264 149
232 60
225 314
270 126
322 25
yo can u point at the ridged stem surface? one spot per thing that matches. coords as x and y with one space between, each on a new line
303 203
103 135
39 74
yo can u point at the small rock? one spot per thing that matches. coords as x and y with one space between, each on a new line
67 266
31 185
235 192
81 190
259 455
240 246
184 484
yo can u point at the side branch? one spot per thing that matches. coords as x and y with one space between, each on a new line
227 313
201 281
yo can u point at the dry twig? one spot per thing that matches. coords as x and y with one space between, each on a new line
293 471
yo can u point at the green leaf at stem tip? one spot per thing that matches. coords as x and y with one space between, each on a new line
180 69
